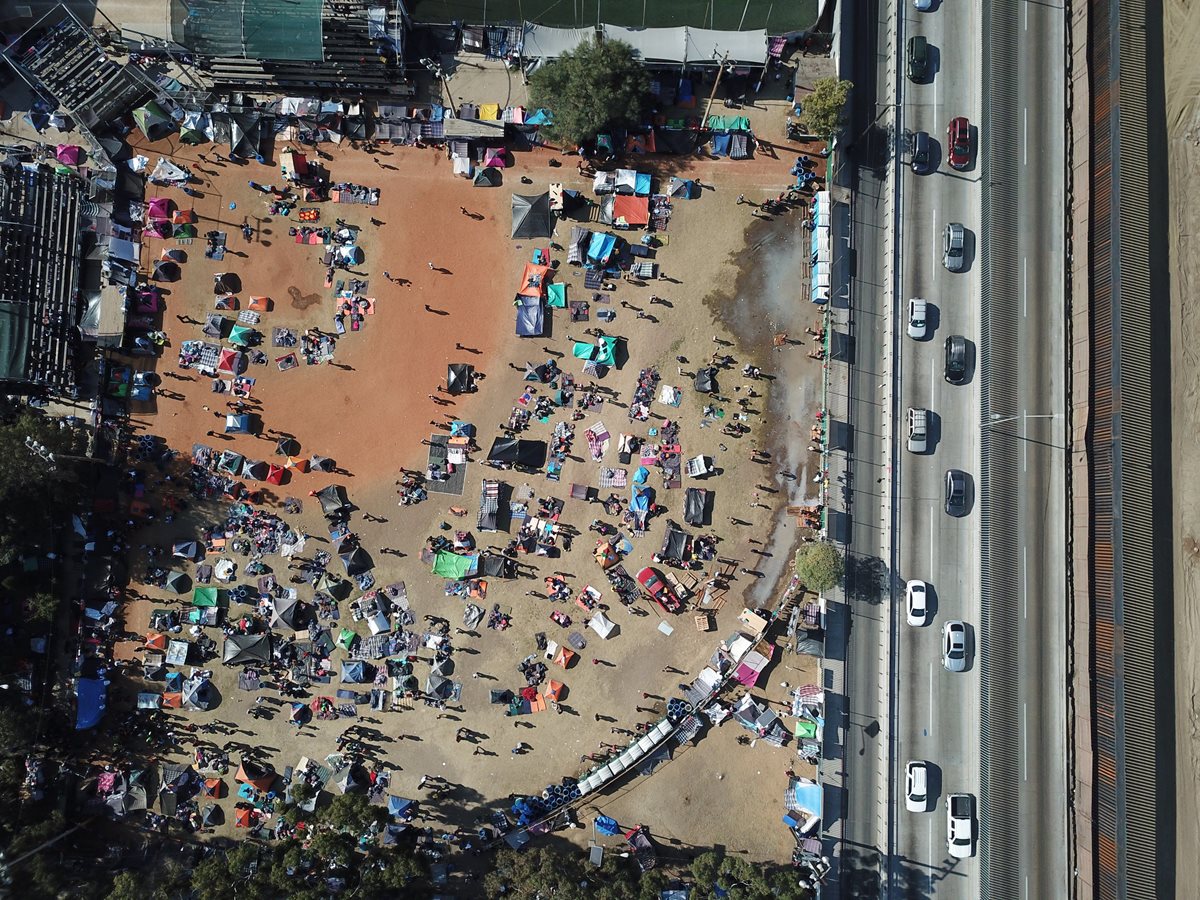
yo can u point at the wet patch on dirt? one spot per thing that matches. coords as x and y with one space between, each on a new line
301 300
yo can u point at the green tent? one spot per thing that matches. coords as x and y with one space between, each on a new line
204 596
346 639
602 353
183 231
153 121
557 296
453 565
241 335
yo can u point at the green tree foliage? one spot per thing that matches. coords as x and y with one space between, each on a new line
595 86
41 608
825 107
353 813
744 880
565 874
820 566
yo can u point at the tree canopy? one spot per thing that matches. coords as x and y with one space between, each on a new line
825 108
595 86
718 875
820 566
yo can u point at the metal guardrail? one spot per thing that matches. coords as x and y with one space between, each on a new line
999 551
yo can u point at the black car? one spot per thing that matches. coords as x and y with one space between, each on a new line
918 58
956 359
956 492
922 153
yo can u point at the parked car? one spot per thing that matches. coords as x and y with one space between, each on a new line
916 318
954 240
960 825
918 58
956 359
657 588
922 153
923 5
916 597
956 492
954 646
916 786
958 143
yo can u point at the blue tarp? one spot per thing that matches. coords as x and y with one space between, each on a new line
808 796
91 695
608 826
401 807
530 316
540 117
642 184
720 144
601 248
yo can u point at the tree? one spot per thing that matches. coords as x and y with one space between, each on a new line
825 107
353 813
41 608
596 85
820 566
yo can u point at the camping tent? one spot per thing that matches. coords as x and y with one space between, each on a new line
242 336
333 499
675 542
154 121
356 561
694 502
488 177
357 672
255 470
204 596
351 778
289 613
460 378
186 550
231 362
177 582
495 156
455 565
601 248
250 772
531 316
683 189
230 463
274 474
242 649
237 424
531 216
602 625
166 270
601 353
197 694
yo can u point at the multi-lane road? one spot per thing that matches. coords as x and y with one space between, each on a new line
894 671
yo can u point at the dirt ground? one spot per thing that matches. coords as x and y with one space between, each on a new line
370 418
1181 28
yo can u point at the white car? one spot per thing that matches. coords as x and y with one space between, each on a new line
960 825
954 646
916 596
916 786
916 318
923 5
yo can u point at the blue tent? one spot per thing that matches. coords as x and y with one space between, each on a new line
355 672
641 186
530 316
601 248
91 696
401 808
607 826
639 504
239 424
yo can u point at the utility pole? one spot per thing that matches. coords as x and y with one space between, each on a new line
713 95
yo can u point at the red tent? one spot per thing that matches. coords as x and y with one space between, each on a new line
275 474
184 217
231 362
634 210
243 818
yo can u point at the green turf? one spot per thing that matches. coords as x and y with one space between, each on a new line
776 16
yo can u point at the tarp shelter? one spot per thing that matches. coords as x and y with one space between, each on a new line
237 424
703 382
154 122
546 42
250 772
601 624
454 565
167 172
333 499
91 699
245 133
627 210
355 561
750 668
530 316
694 502
243 649
177 582
530 454
531 216
159 208
675 542
68 154
204 596
488 177
460 378
601 353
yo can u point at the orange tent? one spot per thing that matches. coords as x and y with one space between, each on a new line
172 700
260 304
634 210
156 641
300 465
534 280
243 818
213 787
564 657
252 773
555 690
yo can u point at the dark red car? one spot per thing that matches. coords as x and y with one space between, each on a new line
958 142
659 590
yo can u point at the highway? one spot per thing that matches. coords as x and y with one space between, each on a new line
938 713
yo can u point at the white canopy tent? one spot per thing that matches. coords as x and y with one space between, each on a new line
653 45
544 42
602 625
744 47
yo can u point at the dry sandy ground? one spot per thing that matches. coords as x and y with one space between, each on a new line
1181 26
370 419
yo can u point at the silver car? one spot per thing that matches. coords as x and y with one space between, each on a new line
954 646
954 239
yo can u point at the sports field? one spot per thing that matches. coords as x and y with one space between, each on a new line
776 16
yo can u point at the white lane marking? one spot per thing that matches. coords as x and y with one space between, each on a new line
1026 28
1025 134
1024 745
1024 585
1024 287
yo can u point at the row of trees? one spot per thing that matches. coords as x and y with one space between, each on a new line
602 84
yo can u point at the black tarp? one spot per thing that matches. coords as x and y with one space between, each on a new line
675 542
356 561
694 502
333 499
531 216
241 649
841 347
530 454
704 382
493 565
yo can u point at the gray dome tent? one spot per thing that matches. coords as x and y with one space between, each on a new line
289 613
531 217
488 177
242 649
